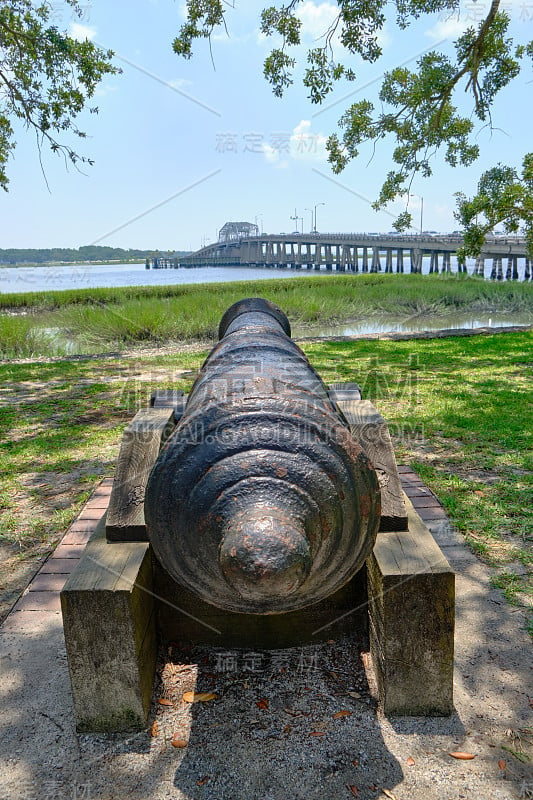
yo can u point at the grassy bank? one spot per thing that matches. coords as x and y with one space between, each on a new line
457 410
117 318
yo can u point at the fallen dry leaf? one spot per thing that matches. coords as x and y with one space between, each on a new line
262 704
462 756
316 733
179 741
154 729
198 697
389 794
355 762
353 790
339 714
164 702
410 762
202 781
353 694
287 728
502 764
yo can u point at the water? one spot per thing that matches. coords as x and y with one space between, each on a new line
390 324
84 276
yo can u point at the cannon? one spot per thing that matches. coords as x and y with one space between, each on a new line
261 501
258 499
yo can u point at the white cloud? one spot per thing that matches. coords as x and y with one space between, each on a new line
104 89
179 83
306 145
316 19
449 28
273 156
81 32
300 144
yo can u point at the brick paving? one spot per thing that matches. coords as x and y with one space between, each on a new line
42 594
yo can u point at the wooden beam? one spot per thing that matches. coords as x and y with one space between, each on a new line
371 431
140 446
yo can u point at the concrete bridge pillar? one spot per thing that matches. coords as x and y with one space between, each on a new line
365 260
283 259
497 269
512 268
479 267
434 262
376 262
355 259
346 257
446 262
388 260
527 269
399 260
509 269
416 260
329 258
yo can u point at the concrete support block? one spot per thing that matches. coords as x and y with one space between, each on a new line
411 593
110 635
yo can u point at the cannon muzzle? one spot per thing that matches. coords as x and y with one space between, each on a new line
261 501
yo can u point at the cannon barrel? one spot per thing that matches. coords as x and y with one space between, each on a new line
261 501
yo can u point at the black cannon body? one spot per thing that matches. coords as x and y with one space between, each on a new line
261 501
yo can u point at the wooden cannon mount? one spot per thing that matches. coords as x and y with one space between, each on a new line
119 602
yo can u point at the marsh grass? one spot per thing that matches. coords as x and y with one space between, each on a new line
118 318
23 336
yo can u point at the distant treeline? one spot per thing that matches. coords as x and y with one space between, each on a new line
87 253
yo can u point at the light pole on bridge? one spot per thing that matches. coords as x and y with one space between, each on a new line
296 218
316 206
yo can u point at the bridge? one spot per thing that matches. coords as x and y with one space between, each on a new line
501 257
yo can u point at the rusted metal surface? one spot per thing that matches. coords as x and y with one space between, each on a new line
261 501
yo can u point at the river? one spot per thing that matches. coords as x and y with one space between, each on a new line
86 276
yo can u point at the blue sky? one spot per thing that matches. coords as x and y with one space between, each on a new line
180 147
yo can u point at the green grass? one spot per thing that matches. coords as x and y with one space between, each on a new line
118 318
459 411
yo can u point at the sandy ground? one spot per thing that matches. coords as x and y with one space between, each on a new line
274 730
